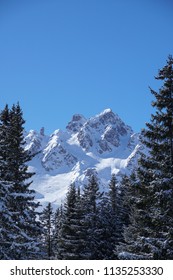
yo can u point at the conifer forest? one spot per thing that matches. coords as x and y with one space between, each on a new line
131 220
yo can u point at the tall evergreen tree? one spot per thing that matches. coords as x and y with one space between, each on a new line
71 241
123 208
113 193
6 222
150 234
24 230
5 186
113 218
138 200
57 225
5 144
105 232
90 203
108 222
47 220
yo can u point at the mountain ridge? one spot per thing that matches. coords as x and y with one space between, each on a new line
100 145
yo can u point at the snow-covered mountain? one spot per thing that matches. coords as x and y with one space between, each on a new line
103 145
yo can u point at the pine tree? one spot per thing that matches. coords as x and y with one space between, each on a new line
5 138
57 225
107 227
71 239
150 234
123 208
105 230
24 230
6 186
113 218
46 219
137 198
113 193
6 222
90 203
117 210
79 227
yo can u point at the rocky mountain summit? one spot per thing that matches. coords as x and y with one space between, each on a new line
103 145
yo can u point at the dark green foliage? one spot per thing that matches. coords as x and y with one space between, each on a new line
57 225
5 220
149 235
123 205
90 204
113 194
110 222
106 231
71 234
21 237
88 227
47 221
139 216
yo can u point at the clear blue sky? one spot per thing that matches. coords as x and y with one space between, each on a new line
60 57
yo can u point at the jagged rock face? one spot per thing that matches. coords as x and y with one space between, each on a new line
112 136
55 154
57 158
85 137
76 123
105 118
103 131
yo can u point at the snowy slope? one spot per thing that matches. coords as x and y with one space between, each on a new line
103 145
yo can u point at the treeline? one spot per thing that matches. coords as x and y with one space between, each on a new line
88 225
132 220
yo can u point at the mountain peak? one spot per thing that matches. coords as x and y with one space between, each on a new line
105 118
103 132
106 111
78 117
76 123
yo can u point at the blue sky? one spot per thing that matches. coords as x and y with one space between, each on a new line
60 57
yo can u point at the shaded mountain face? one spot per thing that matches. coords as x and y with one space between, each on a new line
103 133
103 145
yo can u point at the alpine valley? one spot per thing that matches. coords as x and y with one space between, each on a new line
101 145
